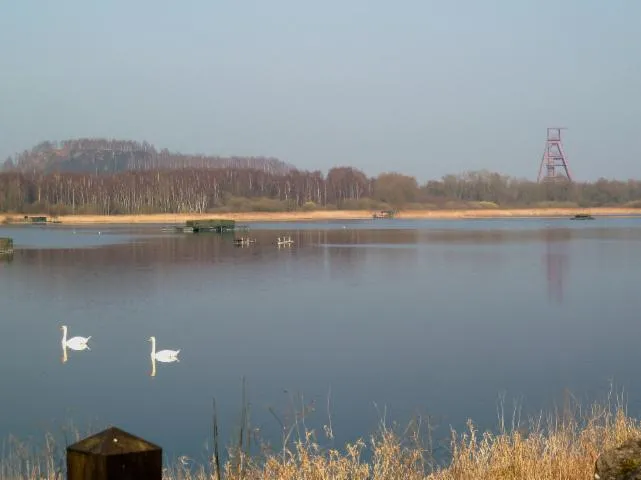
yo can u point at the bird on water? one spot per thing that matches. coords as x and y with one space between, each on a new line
74 343
166 356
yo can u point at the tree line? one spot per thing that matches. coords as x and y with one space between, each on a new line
200 190
102 156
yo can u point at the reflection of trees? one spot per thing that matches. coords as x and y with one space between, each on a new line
341 261
339 252
473 236
110 270
479 258
556 261
348 251
371 237
185 250
140 266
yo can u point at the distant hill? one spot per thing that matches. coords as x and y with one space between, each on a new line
98 155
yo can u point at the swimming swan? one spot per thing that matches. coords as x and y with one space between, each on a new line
166 356
74 343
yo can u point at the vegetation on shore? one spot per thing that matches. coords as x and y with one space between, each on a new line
326 215
109 177
564 445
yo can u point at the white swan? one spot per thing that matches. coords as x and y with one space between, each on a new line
166 356
74 343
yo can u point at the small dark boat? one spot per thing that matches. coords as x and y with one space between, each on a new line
582 216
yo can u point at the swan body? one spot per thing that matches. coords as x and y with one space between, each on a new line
74 343
165 356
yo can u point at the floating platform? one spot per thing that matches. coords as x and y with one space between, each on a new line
582 216
213 225
206 226
6 246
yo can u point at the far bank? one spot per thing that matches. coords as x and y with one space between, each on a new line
334 215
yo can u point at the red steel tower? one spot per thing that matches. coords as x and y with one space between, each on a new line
554 164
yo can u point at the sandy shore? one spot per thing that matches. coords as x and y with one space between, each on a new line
336 215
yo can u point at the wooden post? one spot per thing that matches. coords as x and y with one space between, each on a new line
114 454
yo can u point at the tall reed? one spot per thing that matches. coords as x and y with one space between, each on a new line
560 445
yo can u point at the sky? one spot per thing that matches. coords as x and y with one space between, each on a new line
420 87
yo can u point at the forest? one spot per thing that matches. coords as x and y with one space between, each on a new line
104 156
121 177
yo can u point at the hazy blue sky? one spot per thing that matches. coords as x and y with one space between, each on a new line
417 86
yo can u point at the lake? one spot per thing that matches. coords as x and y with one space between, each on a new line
364 318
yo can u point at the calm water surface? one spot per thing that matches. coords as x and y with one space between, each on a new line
390 317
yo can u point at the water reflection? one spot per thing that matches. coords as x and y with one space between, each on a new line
375 315
556 261
201 251
340 253
343 262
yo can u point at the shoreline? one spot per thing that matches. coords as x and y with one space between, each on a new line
330 215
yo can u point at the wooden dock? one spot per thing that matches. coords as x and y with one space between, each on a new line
6 246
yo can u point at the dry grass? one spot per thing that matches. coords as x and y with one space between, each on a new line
563 446
493 212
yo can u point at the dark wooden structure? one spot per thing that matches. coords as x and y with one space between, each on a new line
6 246
114 454
214 225
204 226
582 216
